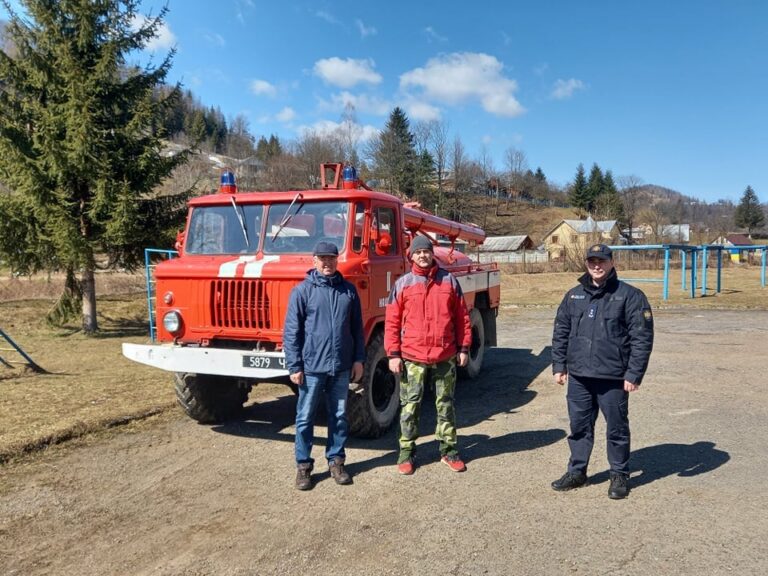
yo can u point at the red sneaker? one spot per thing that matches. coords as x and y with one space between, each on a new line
405 468
454 462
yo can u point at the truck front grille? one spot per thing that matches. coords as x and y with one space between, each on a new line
240 304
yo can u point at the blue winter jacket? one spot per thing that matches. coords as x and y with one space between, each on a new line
323 330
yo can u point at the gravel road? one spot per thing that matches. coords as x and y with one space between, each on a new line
170 497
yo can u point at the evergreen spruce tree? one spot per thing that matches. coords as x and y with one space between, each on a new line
749 214
80 147
608 205
395 154
577 195
595 187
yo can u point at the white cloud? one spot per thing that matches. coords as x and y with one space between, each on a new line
422 111
364 30
286 114
433 36
463 77
330 128
327 16
486 139
346 73
163 38
564 89
263 88
363 103
215 39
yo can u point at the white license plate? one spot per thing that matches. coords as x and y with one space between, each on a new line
264 362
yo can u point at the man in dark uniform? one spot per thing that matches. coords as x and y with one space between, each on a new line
601 344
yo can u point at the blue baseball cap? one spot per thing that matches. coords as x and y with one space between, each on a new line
325 249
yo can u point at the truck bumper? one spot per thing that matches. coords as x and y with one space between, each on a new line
216 361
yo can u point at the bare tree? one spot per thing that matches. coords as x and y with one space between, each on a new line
630 191
516 164
460 169
438 145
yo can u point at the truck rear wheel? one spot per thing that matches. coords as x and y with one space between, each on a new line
477 348
372 407
210 399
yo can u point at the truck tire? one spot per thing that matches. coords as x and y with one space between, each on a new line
372 405
210 399
477 348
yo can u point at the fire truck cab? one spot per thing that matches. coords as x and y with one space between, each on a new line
220 305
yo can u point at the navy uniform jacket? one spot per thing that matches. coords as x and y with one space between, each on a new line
323 330
603 332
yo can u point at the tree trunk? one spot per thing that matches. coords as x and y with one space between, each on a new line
88 286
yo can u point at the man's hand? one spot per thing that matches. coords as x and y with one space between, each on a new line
357 372
462 359
396 365
561 378
630 387
297 378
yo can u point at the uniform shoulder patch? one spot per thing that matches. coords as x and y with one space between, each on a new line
647 314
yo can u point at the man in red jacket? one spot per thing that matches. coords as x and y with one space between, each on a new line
427 332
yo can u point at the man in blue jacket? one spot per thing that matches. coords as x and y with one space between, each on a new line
324 350
601 345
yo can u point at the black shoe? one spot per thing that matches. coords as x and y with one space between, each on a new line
569 481
619 487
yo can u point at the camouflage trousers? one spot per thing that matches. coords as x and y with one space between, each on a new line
416 375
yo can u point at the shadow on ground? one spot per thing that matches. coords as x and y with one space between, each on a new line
502 388
656 462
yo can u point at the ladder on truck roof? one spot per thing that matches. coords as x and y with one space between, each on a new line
17 349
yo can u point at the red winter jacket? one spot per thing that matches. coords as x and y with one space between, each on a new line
426 318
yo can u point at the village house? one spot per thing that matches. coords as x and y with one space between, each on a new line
571 237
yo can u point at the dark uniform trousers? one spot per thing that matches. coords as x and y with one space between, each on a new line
585 397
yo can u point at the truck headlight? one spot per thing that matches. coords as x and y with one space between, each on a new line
172 322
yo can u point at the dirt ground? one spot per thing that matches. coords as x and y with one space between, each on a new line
170 497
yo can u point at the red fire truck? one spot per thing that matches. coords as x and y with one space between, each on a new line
220 305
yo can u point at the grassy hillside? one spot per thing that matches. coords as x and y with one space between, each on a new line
512 218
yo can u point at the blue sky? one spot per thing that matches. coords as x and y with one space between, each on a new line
672 92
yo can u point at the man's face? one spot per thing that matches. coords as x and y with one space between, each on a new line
599 269
326 265
423 258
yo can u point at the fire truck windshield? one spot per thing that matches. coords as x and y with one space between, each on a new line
298 230
219 229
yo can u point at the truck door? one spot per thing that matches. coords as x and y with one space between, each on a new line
385 253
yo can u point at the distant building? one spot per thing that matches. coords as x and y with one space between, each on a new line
665 234
510 249
571 237
733 241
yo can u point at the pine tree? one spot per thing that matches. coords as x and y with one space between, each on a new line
395 155
608 205
749 214
80 144
577 195
595 187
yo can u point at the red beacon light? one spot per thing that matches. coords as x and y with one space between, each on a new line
227 183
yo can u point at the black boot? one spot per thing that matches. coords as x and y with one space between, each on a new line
304 476
569 481
619 487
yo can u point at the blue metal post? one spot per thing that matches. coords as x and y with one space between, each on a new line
704 270
683 256
147 278
762 270
694 266
719 268
665 294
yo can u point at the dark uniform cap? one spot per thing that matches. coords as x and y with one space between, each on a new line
421 243
325 249
600 251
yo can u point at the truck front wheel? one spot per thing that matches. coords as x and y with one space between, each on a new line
372 404
210 399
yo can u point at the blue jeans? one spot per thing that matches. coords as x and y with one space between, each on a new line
334 388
